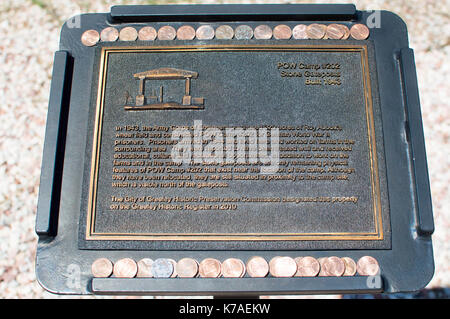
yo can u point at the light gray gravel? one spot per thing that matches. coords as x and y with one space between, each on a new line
30 35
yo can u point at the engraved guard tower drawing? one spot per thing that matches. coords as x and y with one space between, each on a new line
156 102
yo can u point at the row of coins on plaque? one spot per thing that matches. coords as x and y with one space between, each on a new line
226 32
235 268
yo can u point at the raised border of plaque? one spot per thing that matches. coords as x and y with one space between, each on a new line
91 234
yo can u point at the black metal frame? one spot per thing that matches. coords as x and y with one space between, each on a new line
408 266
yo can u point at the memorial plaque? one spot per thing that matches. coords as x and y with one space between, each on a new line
222 142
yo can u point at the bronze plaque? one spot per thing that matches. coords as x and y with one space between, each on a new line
169 121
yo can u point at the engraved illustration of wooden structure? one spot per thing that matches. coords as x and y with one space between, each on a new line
156 102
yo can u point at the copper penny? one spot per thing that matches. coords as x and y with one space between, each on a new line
350 266
257 267
367 266
345 30
185 32
299 32
125 268
90 38
282 267
316 31
282 32
334 31
224 32
128 34
187 268
210 268
109 34
322 271
359 32
232 268
102 268
147 34
167 33
145 268
307 266
263 32
243 32
334 266
205 32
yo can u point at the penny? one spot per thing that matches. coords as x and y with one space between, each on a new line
109 34
186 268
102 268
128 34
147 34
185 32
367 266
359 32
282 32
263 32
145 268
210 268
322 271
162 268
334 266
257 267
345 30
224 32
316 31
90 38
232 268
174 265
125 268
350 266
299 32
243 32
334 31
307 266
167 33
205 32
282 267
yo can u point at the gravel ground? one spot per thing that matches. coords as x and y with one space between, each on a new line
30 31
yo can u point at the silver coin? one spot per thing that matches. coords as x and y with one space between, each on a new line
162 268
243 32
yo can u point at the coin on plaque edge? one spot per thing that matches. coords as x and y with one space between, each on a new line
167 33
186 32
296 31
253 274
282 32
360 31
168 263
128 34
103 273
226 30
242 269
129 273
147 273
205 32
90 38
361 269
147 34
203 265
263 32
181 273
243 32
109 34
347 261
